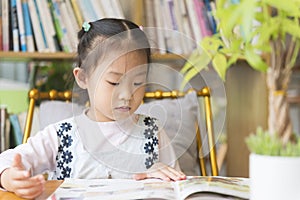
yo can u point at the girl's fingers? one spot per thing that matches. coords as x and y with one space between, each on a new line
28 183
156 174
30 193
170 173
162 172
177 174
19 174
17 162
140 176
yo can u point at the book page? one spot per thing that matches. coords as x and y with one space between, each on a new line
231 186
94 189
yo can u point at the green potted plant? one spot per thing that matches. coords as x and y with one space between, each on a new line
266 34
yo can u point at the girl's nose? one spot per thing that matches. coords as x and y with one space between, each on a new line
125 93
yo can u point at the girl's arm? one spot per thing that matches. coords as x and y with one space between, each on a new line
21 167
38 154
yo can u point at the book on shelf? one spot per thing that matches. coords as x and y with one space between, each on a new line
40 14
37 31
72 16
172 35
77 12
159 24
99 10
181 24
20 17
1 44
4 129
202 18
112 8
28 27
116 6
192 15
16 135
47 25
194 186
60 27
150 21
5 25
87 10
14 25
210 15
71 30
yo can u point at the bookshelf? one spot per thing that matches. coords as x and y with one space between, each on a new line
57 56
135 10
35 56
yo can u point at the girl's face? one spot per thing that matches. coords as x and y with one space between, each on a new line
117 91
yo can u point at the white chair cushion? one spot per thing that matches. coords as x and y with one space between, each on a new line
178 117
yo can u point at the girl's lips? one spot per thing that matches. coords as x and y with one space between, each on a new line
123 109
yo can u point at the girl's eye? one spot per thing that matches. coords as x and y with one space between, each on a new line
138 84
113 83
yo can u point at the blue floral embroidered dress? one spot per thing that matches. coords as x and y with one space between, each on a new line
81 148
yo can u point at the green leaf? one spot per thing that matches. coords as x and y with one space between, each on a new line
188 76
248 18
265 32
189 63
211 44
194 65
266 144
229 18
255 60
291 27
220 64
233 58
291 7
197 60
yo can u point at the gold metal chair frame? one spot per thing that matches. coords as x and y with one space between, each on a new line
205 93
35 95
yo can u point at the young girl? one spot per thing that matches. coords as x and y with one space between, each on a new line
107 140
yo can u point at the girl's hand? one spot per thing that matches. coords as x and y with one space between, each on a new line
161 171
16 179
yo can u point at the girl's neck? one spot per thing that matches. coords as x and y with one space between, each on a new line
91 115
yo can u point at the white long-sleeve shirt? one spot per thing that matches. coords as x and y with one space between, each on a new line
81 148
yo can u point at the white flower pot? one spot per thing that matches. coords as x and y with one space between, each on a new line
274 177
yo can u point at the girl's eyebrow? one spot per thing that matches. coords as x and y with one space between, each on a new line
115 73
121 74
141 73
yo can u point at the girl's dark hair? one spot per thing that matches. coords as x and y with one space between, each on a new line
109 33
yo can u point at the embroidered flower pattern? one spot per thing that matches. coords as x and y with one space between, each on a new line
149 148
155 141
149 162
64 157
151 145
149 121
66 126
67 140
148 133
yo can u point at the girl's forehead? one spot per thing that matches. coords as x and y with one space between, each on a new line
133 61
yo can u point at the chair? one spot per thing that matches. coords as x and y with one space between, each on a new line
34 95
204 93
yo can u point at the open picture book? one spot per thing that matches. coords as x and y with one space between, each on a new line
94 189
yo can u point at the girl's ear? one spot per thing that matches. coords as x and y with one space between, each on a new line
80 77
